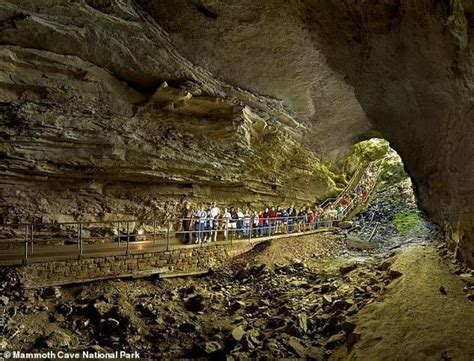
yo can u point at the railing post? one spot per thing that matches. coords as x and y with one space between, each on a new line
78 238
80 241
25 256
128 239
250 230
168 235
118 233
31 238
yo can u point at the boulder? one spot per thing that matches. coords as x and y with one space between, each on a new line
334 341
4 300
212 347
51 292
56 338
393 274
358 244
195 303
303 322
345 224
297 347
346 268
238 333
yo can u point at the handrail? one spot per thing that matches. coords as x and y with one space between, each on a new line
355 202
361 167
248 225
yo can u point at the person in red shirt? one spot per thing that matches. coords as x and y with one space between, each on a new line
365 193
260 223
344 201
273 220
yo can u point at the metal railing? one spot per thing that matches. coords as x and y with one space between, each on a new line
77 237
331 201
357 201
127 236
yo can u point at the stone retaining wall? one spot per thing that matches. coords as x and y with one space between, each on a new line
182 260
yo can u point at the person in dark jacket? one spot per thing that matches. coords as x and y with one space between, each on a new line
266 222
234 217
291 218
187 216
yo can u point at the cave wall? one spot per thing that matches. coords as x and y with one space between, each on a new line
101 118
405 65
257 96
411 66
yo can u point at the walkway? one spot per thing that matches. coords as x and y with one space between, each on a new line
78 243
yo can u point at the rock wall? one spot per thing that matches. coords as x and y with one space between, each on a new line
411 65
405 65
91 130
182 260
121 107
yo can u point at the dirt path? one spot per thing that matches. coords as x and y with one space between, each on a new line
413 320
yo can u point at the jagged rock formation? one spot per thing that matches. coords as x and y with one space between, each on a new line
89 126
99 123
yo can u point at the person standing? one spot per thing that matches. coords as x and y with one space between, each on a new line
279 221
256 232
197 225
208 226
291 218
234 217
260 224
284 215
340 212
201 220
273 220
302 220
187 216
311 219
266 222
246 223
240 222
226 222
213 219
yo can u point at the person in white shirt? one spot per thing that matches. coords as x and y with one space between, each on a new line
226 222
214 225
256 231
246 223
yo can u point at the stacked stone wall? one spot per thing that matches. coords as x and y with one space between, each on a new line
182 260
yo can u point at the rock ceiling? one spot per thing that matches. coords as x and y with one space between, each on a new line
218 96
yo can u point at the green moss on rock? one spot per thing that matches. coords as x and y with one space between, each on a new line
408 222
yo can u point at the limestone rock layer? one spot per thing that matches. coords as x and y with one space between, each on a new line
121 107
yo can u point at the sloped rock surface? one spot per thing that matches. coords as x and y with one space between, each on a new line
407 66
258 92
92 131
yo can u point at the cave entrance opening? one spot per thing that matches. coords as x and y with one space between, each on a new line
392 217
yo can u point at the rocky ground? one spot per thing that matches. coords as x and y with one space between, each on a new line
391 221
333 295
247 309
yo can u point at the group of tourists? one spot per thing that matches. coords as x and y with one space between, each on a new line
203 224
360 194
